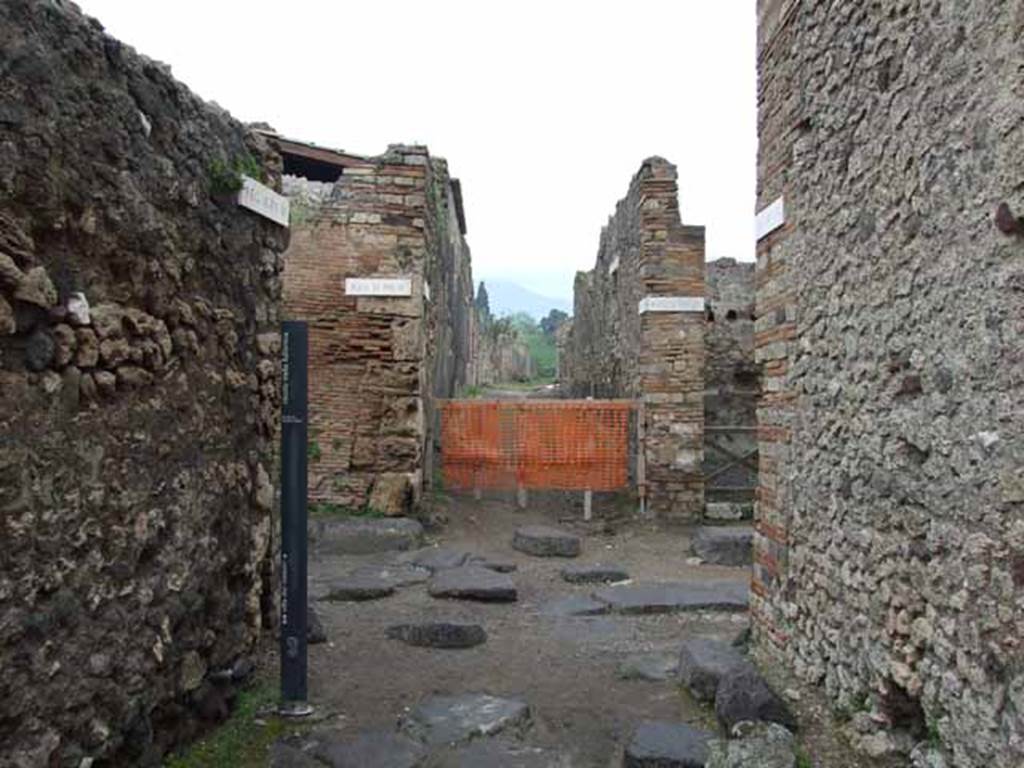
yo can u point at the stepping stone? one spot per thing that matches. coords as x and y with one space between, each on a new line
765 745
363 536
675 597
594 573
287 756
577 605
374 749
471 582
439 634
401 575
456 719
656 744
653 667
742 638
742 694
436 558
544 541
728 511
359 588
499 754
493 564
724 545
702 663
314 627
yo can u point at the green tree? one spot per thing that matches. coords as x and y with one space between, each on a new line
483 302
556 319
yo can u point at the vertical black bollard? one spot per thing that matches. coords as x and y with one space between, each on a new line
294 537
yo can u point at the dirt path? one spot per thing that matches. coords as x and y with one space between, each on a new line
564 667
567 668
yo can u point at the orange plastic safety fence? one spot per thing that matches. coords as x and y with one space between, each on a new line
562 445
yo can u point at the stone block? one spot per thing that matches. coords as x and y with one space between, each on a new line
742 694
656 744
448 720
724 545
545 541
703 662
675 597
593 573
473 583
392 495
361 536
439 634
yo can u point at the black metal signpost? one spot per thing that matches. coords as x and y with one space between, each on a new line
294 540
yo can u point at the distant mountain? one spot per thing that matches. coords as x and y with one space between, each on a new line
507 298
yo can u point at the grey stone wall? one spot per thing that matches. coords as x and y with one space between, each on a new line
450 312
890 555
499 354
136 450
601 348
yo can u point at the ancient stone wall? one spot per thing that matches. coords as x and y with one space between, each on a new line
890 312
138 398
498 353
378 364
732 385
501 357
731 377
638 332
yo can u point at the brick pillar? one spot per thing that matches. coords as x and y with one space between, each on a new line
671 360
778 118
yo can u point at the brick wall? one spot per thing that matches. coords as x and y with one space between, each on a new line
614 349
377 364
774 308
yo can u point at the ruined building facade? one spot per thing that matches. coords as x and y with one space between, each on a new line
890 313
138 398
379 361
638 333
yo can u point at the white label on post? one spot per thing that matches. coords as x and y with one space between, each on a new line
264 201
672 304
378 286
770 219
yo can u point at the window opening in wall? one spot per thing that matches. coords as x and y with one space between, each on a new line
730 315
711 315
313 170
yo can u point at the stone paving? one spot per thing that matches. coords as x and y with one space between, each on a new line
500 707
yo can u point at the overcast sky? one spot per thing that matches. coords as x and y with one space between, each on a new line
544 110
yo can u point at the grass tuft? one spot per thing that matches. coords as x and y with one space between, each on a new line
243 740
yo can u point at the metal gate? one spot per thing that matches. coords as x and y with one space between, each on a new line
730 463
557 445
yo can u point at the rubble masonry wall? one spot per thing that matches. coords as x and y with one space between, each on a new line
138 398
890 312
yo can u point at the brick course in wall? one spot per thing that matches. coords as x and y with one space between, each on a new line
615 350
377 364
890 511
